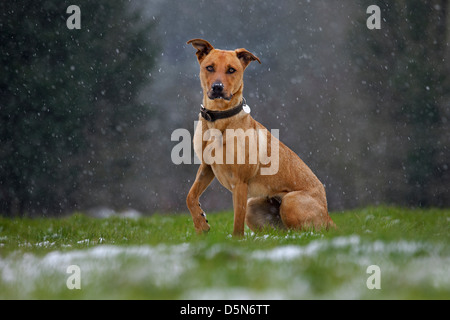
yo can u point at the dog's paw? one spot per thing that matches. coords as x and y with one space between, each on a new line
204 216
201 224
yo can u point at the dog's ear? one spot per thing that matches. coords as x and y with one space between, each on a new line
203 48
246 57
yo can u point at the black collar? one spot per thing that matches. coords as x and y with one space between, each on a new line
212 116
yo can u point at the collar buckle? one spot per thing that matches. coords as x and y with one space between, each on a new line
205 114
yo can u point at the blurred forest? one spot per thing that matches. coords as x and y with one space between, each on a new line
86 115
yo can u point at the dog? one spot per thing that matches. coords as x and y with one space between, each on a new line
291 198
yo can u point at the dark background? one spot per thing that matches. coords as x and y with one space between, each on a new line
86 115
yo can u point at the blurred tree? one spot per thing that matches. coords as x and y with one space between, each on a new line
68 102
403 70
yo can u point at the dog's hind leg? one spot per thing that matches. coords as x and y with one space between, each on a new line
263 213
300 210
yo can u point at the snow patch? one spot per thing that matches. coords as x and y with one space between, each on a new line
353 243
161 265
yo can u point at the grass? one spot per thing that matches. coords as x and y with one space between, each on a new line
161 257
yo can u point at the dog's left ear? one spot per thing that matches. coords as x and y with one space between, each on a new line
246 57
203 48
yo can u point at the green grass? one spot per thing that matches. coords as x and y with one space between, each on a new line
161 257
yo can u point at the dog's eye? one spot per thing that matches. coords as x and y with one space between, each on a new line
231 70
210 68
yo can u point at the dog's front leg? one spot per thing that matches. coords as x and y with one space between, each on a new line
204 177
240 208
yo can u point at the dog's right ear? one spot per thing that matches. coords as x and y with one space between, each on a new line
203 48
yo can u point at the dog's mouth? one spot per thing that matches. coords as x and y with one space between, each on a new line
214 96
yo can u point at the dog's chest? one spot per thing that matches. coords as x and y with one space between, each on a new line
231 153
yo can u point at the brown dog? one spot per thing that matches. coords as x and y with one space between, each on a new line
291 197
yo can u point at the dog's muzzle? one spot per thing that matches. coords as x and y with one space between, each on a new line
218 92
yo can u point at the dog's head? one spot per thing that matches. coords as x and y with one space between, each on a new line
221 71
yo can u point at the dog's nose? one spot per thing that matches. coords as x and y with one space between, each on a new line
217 87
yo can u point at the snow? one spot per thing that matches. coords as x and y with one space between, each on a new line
353 243
172 266
162 264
